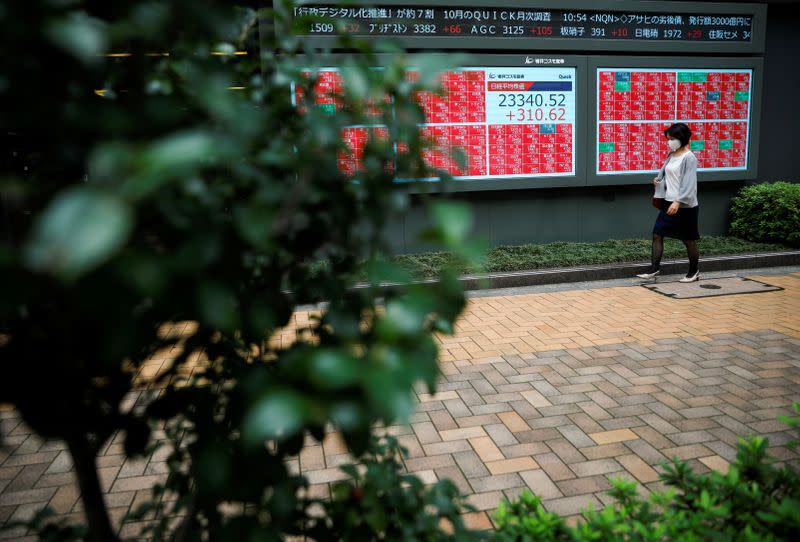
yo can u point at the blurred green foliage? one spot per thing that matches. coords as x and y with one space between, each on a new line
153 176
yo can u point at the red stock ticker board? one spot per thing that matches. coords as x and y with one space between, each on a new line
508 122
635 106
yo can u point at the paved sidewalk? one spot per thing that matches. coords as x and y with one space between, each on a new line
555 391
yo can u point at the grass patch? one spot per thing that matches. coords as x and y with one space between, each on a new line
563 254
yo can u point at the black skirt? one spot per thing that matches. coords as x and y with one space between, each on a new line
682 225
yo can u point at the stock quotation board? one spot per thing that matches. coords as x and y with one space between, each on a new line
636 105
509 122
531 23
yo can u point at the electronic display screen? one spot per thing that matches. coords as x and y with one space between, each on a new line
510 122
532 23
635 106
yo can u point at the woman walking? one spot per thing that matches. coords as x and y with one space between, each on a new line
676 183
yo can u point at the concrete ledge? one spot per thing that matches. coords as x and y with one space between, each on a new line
625 270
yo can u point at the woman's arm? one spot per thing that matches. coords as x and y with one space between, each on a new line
687 190
660 176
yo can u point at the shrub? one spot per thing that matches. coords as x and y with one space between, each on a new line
172 193
755 500
767 212
379 502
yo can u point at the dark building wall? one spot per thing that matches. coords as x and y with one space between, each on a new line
621 212
780 134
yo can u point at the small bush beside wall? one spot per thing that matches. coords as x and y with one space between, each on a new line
767 212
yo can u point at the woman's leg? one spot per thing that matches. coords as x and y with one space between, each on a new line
694 257
657 251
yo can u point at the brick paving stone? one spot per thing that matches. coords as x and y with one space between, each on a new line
461 434
477 520
455 475
486 449
696 424
540 483
449 447
691 451
426 476
30 459
500 434
586 484
429 462
504 466
26 478
513 421
565 451
133 467
5 513
442 420
554 467
594 467
548 421
26 496
333 444
638 468
571 505
64 499
594 411
536 399
575 436
603 451
622 423
691 437
457 408
485 501
716 463
645 451
659 424
471 464
610 437
426 433
498 481
135 483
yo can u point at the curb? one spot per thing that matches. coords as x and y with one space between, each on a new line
624 270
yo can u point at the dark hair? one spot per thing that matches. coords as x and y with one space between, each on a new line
679 131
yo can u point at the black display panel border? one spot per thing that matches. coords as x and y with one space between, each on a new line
618 61
558 45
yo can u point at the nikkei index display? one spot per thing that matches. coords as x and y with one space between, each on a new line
510 122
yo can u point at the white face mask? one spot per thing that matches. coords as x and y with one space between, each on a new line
674 144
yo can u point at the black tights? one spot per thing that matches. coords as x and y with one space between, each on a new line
691 250
694 256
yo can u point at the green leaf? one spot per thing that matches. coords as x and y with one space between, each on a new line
403 317
330 369
453 221
78 231
176 155
82 36
355 80
219 307
278 415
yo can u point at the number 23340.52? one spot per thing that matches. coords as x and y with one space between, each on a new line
532 100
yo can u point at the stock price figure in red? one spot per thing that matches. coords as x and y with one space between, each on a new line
676 187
